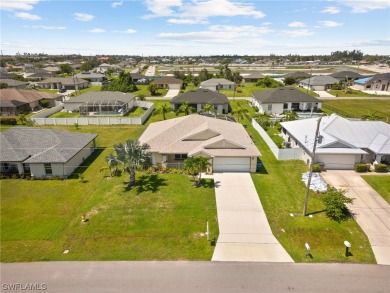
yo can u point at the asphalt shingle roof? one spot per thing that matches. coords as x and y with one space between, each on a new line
26 96
201 96
284 95
216 81
320 80
345 74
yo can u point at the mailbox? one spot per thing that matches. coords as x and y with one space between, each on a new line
307 246
347 246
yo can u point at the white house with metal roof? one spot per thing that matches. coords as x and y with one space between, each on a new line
342 143
226 143
43 152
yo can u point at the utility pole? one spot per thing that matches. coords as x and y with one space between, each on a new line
311 166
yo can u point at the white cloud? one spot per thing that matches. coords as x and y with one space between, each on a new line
296 33
296 24
17 4
83 16
49 27
97 30
162 7
209 36
331 10
328 23
116 4
186 21
27 16
127 31
366 6
243 30
267 23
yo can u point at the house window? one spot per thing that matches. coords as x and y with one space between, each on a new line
285 106
269 107
308 106
180 156
48 170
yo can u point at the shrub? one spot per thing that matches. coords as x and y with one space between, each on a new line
316 168
8 120
381 168
361 168
256 109
335 201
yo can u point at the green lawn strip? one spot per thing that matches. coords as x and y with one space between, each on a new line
354 93
282 192
144 91
94 88
358 108
49 91
381 184
245 90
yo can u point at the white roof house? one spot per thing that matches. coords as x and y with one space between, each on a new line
227 144
343 142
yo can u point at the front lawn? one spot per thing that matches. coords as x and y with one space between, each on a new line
381 184
353 93
162 218
245 90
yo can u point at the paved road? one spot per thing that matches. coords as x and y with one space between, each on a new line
105 277
370 210
244 231
151 71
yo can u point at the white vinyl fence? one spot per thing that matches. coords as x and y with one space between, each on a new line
40 118
280 154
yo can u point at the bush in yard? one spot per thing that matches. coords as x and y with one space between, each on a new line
361 168
381 168
8 120
316 168
335 201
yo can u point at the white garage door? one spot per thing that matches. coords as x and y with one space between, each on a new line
231 164
337 162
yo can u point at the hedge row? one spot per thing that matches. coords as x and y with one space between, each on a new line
8 121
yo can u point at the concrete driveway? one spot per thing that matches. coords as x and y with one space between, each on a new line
370 210
244 232
324 94
172 93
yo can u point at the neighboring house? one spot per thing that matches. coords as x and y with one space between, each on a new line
216 84
254 77
297 75
343 143
52 69
318 83
15 101
346 75
38 74
168 82
139 78
379 82
44 152
69 83
93 78
14 84
282 99
101 103
227 144
200 97
102 68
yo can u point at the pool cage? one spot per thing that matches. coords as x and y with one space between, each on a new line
104 108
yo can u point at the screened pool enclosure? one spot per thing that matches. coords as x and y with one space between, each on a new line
104 108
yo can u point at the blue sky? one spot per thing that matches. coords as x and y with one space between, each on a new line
194 27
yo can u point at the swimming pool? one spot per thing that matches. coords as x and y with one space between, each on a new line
309 115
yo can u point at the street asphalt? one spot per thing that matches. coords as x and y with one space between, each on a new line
104 277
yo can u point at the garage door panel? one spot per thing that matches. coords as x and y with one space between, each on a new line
337 162
231 164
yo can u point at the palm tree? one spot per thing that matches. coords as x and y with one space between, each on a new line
185 108
22 118
163 109
208 108
291 116
113 163
195 165
132 154
371 117
239 112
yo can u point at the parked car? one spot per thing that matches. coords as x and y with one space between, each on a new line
62 91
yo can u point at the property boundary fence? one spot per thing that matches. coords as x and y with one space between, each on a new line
41 117
280 154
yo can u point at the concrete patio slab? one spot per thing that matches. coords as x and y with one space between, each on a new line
245 234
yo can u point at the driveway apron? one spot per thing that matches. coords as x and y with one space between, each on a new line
244 232
370 210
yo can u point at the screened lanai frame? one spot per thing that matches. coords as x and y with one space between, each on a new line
104 108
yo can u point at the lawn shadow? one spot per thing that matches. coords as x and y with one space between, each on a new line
263 170
206 183
317 212
150 183
86 163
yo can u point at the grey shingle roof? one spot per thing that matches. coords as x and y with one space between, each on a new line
102 96
284 95
63 80
346 73
380 77
296 74
35 145
254 76
216 81
201 96
320 80
13 82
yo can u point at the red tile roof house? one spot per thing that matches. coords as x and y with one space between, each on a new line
69 83
226 143
43 152
169 82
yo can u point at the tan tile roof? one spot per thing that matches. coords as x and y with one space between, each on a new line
170 136
26 96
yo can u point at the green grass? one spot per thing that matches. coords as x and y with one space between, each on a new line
65 115
143 91
353 93
282 192
94 88
247 89
48 91
358 108
381 184
160 219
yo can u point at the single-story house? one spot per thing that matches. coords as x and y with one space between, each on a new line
216 84
225 143
318 83
38 74
282 99
379 82
14 84
253 77
92 77
297 75
69 83
342 143
44 152
346 75
139 78
52 69
101 103
168 82
15 101
102 68
200 97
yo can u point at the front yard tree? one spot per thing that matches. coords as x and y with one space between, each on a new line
163 109
268 82
122 84
335 201
153 89
195 165
185 108
289 80
132 154
209 109
239 112
113 163
66 68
